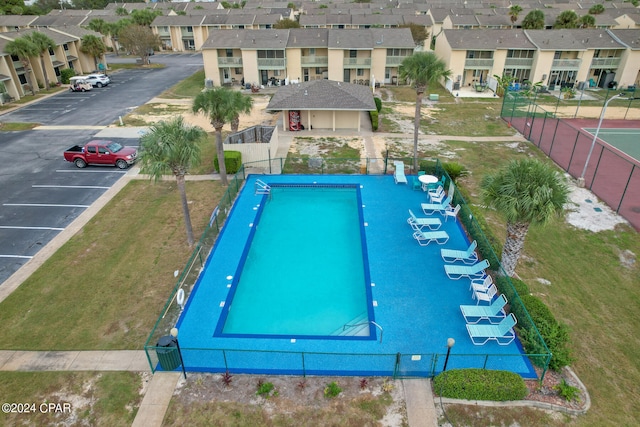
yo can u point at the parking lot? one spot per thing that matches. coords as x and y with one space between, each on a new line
41 193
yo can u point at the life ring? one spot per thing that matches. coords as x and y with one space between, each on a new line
180 297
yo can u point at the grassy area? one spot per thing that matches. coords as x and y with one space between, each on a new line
17 126
133 66
103 289
187 88
97 399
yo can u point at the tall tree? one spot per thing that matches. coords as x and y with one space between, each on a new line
243 104
286 23
525 192
139 40
596 9
172 146
422 70
221 105
144 16
419 32
43 43
24 49
514 11
93 45
587 21
566 19
534 20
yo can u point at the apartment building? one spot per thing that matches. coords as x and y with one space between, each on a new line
269 57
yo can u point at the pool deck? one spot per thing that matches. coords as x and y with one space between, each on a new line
414 301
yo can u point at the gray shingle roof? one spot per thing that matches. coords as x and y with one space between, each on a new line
308 37
487 39
630 38
323 95
574 39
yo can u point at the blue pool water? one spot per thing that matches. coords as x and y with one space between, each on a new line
415 305
304 273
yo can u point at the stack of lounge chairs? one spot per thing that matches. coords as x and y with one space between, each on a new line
398 175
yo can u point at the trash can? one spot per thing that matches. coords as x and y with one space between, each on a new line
168 353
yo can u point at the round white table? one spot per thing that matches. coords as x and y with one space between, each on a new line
426 180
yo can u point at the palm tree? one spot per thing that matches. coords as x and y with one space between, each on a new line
221 105
514 11
534 20
587 21
566 19
422 69
23 48
244 103
43 43
525 192
172 146
94 46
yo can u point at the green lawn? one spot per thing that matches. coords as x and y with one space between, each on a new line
104 288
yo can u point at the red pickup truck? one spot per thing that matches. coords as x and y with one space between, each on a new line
101 152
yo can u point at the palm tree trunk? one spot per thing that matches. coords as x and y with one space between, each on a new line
222 168
44 71
235 124
27 71
516 233
416 128
185 208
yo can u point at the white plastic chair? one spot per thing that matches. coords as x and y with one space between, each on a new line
451 212
437 196
488 296
481 285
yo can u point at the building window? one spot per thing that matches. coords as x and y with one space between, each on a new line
353 54
267 54
65 46
229 53
312 51
238 70
318 70
360 72
22 78
51 52
276 73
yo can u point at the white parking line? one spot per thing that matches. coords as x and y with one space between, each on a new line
71 186
15 256
15 227
45 205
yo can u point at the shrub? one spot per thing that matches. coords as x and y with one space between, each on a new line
332 390
232 161
480 384
66 74
378 102
266 390
554 333
504 285
374 120
567 391
428 166
455 170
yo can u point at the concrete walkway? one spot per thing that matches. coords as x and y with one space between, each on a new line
418 397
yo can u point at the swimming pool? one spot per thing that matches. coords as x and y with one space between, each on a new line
416 306
303 272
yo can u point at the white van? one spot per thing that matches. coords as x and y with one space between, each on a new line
79 84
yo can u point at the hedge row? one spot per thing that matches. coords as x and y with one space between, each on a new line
480 384
232 161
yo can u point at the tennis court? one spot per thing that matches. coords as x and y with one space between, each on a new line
625 140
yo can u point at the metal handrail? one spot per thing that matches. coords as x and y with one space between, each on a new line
345 326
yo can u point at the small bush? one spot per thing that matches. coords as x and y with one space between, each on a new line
480 384
378 102
567 391
232 161
66 74
227 379
455 170
374 120
266 390
332 390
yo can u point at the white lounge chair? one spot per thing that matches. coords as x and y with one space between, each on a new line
419 223
431 208
456 272
492 291
475 313
502 333
468 256
398 175
426 237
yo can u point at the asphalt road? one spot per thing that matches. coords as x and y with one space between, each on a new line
40 193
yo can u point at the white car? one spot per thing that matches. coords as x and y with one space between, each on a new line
98 79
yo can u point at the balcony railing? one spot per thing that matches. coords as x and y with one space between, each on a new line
271 63
566 64
314 61
605 62
478 63
357 62
225 61
518 62
394 61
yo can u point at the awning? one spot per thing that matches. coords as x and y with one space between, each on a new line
57 64
4 78
71 58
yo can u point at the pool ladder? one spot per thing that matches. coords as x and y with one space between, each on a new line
262 187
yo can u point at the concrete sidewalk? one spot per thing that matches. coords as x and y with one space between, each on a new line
36 361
